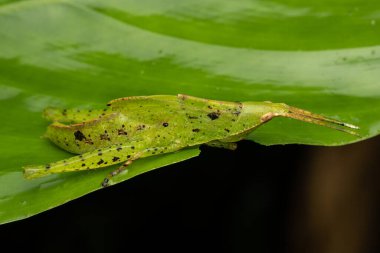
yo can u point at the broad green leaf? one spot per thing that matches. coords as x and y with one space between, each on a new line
323 56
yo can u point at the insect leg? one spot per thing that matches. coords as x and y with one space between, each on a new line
220 144
107 181
91 160
143 153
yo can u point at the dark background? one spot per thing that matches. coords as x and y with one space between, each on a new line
291 198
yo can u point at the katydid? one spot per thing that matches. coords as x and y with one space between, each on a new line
136 127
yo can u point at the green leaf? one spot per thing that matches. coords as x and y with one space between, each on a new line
323 56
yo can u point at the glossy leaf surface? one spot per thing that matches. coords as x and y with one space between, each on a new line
323 56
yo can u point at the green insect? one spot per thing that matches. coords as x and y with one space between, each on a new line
136 127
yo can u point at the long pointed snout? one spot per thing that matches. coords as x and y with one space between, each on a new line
267 110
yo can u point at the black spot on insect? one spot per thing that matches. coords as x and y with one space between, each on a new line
90 110
78 145
100 161
79 136
155 149
105 137
196 130
128 156
115 158
108 104
104 110
121 132
105 131
83 164
236 113
119 148
140 127
133 147
89 141
233 120
165 124
47 166
161 152
105 162
67 144
64 112
209 107
213 115
122 126
192 117
227 130
100 153
153 153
